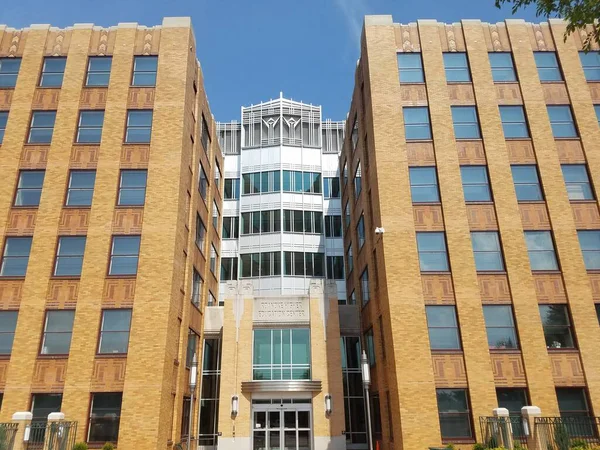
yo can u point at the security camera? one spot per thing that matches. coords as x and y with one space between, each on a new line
379 230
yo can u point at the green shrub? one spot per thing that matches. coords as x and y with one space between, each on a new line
579 444
561 437
479 446
80 446
108 446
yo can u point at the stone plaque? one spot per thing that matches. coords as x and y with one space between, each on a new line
281 310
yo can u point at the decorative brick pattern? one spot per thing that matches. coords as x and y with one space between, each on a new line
62 294
93 98
508 94
520 152
5 99
74 221
21 222
471 153
108 375
49 375
127 221
567 369
140 98
550 288
482 217
118 293
420 154
428 218
494 288
586 215
11 292
534 216
34 157
84 157
449 371
509 370
438 289
135 156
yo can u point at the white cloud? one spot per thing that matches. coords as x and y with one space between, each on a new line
353 12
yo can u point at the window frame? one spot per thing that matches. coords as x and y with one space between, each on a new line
71 189
444 252
80 126
58 256
549 234
417 187
432 328
592 67
508 311
32 127
102 332
411 69
3 260
512 123
52 73
408 125
485 252
537 183
129 127
8 75
557 68
485 184
3 123
13 315
568 326
459 125
116 238
365 293
45 331
572 124
584 185
457 69
467 413
512 68
135 71
594 251
92 419
89 71
333 263
17 203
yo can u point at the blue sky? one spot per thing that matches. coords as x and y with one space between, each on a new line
252 50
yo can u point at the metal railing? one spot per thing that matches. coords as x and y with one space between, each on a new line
564 433
507 432
51 436
8 432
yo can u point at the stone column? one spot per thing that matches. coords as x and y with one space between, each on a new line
55 434
504 427
24 421
534 440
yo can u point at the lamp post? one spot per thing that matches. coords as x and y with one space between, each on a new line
366 377
193 376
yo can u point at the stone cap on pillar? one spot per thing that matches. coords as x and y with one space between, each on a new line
24 415
56 416
531 411
500 412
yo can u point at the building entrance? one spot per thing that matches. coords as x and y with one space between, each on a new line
282 424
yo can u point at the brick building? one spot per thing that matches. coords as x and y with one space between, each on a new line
475 147
110 229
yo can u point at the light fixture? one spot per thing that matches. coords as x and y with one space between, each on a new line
193 376
366 376
235 402
366 370
193 373
328 406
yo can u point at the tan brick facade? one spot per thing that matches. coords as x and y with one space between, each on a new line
406 367
152 375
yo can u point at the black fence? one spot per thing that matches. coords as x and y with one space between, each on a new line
51 436
8 432
507 432
564 433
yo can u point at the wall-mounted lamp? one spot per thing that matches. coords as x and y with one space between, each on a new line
328 404
235 403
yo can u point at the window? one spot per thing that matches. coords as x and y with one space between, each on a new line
416 123
541 250
209 395
9 69
41 406
98 72
443 328
105 415
357 182
577 182
202 182
281 354
231 228
500 326
257 222
267 264
205 135
432 252
597 109
527 183
57 332
200 233
213 259
466 124
215 215
229 268
196 288
456 67
598 311
81 187
354 404
423 185
513 120
314 264
512 399
132 187
347 218
89 130
333 226
410 68
144 70
354 135
370 347
192 348
503 68
486 248
15 256
53 71
352 298
350 259
364 287
8 324
557 326
69 256
547 66
591 65
139 127
572 402
3 120
589 240
114 332
124 255
476 185
257 182
360 231
29 189
335 267
42 127
561 120
455 417
217 176
331 187
232 188
294 181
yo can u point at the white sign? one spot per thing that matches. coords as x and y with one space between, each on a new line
281 310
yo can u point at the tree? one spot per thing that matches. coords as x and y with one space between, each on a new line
577 14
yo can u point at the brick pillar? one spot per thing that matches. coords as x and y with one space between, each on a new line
534 440
504 427
54 435
24 420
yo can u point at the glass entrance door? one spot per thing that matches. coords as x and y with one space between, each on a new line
281 428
